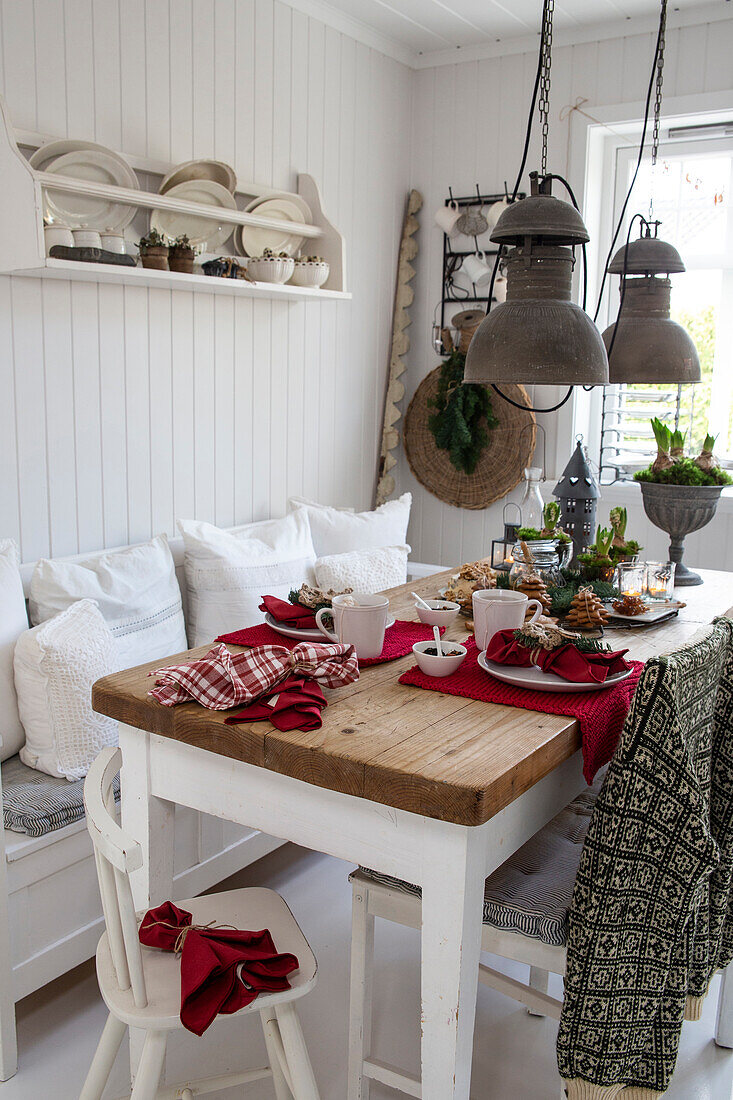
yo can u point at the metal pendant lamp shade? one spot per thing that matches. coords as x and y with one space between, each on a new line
644 343
538 336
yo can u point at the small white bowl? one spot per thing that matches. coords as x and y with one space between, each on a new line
439 666
310 273
441 613
270 269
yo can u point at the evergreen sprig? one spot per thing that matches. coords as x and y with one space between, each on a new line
463 415
583 645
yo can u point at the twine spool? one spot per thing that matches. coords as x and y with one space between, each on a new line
467 322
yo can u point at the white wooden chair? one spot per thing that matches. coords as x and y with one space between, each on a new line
141 985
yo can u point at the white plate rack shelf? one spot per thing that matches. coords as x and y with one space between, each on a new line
21 218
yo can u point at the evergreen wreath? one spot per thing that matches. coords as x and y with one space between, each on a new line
463 415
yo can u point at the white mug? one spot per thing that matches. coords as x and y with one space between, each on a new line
495 211
87 238
500 288
477 270
361 624
500 609
446 217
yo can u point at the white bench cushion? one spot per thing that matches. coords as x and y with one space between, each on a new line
13 623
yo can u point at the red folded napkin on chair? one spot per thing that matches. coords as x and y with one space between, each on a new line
295 704
222 969
565 661
289 614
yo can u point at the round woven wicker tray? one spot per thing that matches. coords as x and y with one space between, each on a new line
501 466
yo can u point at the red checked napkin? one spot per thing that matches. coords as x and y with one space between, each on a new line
601 714
295 704
565 661
288 613
221 680
222 969
398 639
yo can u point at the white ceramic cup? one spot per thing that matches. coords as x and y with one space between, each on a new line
361 625
446 217
495 211
113 242
87 238
500 288
500 609
57 234
476 269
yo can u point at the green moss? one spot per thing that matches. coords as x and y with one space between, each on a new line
684 471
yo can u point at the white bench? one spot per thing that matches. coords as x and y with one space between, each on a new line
50 910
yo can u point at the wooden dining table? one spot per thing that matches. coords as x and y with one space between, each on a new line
432 788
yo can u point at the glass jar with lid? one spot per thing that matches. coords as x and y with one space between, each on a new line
531 505
545 561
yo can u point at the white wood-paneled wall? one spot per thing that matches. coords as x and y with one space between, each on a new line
124 409
468 126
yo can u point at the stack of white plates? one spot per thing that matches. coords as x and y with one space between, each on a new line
253 241
85 160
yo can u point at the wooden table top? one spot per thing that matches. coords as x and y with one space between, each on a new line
438 755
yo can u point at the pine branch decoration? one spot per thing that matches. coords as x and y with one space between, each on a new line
463 415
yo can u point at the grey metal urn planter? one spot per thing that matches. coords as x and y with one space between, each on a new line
679 510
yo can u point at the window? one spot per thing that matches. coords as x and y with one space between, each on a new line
692 189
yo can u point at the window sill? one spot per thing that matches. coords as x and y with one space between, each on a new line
628 492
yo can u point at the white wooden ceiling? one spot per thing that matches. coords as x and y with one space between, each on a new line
430 31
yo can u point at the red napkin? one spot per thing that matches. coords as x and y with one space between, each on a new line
295 704
565 661
289 613
600 714
222 969
398 639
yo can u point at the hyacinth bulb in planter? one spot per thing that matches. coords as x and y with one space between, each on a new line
681 493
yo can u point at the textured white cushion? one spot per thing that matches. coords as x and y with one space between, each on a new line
228 572
56 664
13 622
135 589
363 570
336 531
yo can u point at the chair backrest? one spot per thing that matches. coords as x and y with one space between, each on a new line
116 854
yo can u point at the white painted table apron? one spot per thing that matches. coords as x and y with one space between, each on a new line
449 862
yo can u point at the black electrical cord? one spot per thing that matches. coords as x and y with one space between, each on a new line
530 408
622 215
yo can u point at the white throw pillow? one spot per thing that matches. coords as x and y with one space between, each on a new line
135 589
228 572
13 622
56 664
363 570
337 531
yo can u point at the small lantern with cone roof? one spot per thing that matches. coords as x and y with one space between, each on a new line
577 492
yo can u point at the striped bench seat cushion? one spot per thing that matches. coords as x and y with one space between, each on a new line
530 893
35 803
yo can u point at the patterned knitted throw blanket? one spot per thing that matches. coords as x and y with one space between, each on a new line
649 923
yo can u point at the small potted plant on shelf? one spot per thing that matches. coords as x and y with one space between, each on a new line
681 493
181 255
310 271
154 251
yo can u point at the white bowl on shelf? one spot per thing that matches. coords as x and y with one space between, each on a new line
310 273
270 269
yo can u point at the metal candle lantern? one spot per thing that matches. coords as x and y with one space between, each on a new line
501 549
577 492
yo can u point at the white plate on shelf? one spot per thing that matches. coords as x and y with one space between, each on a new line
206 231
287 208
304 635
534 679
215 170
98 165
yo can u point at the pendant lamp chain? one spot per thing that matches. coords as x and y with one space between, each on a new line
548 11
657 103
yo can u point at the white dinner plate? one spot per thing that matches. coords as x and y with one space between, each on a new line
99 165
304 635
206 231
287 208
534 679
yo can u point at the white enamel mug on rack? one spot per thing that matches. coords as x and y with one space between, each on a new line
359 620
497 609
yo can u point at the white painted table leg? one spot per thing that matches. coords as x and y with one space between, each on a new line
360 1011
8 1038
452 897
150 821
724 1025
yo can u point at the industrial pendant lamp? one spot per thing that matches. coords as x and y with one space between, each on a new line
644 344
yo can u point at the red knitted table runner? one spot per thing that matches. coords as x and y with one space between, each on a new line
398 639
601 714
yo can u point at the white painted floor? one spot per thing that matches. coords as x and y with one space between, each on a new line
514 1056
